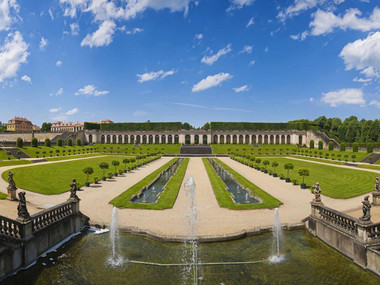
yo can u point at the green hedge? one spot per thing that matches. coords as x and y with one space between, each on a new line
222 126
91 126
147 126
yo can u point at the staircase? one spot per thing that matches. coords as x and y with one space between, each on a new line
376 157
196 150
14 151
64 136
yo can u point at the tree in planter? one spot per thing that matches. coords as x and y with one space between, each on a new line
19 143
370 159
258 161
332 156
70 142
34 142
19 154
274 165
37 153
345 157
9 154
327 155
78 142
339 156
320 154
104 166
69 151
88 170
47 142
303 172
265 163
51 152
320 145
57 151
353 157
331 145
311 144
115 163
125 161
63 152
288 166
44 153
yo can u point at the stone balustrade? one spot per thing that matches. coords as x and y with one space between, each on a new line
338 219
10 229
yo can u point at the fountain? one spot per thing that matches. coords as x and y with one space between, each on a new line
115 259
276 257
191 245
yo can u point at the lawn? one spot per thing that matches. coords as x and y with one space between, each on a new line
140 149
4 155
329 161
224 197
335 182
168 197
264 150
14 162
60 151
3 196
55 178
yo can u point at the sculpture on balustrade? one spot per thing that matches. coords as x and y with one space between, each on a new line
73 190
23 213
366 210
11 187
317 193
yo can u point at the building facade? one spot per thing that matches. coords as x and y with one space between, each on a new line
18 124
67 127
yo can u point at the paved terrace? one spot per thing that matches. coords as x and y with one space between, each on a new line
212 220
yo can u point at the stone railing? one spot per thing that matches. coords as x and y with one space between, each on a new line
373 232
10 229
338 219
51 215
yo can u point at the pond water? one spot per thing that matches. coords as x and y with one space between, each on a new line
86 261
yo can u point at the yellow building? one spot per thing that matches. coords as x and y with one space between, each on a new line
67 127
18 124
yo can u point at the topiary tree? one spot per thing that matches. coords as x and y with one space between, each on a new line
19 143
125 161
342 147
320 145
331 145
288 166
369 148
88 170
115 163
70 142
274 165
303 172
47 142
311 144
78 142
104 166
34 142
265 163
355 147
59 142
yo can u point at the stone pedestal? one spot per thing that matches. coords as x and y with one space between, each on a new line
376 198
12 194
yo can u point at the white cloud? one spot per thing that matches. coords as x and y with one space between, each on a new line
311 99
26 78
363 55
344 96
54 110
246 49
375 103
134 31
153 75
213 58
241 89
74 27
252 62
199 36
59 92
43 43
72 112
251 22
8 7
211 81
238 4
301 36
362 80
13 53
298 7
266 50
101 37
90 90
51 15
326 22
58 63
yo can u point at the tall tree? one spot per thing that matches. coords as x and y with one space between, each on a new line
46 127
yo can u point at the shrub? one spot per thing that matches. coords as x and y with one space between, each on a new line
59 142
19 143
258 160
115 163
47 142
311 144
353 157
320 145
104 166
110 175
34 142
303 172
70 142
274 165
78 142
125 161
88 170
294 181
120 172
265 163
96 180
288 167
331 145
355 147
369 149
342 147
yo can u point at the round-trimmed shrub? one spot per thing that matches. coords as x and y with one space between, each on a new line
19 143
34 142
331 145
342 146
59 142
70 142
311 144
47 142
320 145
78 142
355 147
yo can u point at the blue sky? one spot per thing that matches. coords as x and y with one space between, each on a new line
184 60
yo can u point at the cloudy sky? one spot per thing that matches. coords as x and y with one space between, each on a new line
187 60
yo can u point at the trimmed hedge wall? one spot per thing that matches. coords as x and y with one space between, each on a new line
147 126
91 126
224 126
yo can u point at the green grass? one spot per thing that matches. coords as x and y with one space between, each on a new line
59 158
168 197
55 178
141 149
224 197
4 156
370 166
333 154
265 150
14 162
52 151
3 196
335 182
329 161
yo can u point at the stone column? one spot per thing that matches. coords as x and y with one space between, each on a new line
191 139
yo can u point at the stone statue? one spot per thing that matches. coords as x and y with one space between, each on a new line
317 193
11 187
366 210
23 213
73 190
377 184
